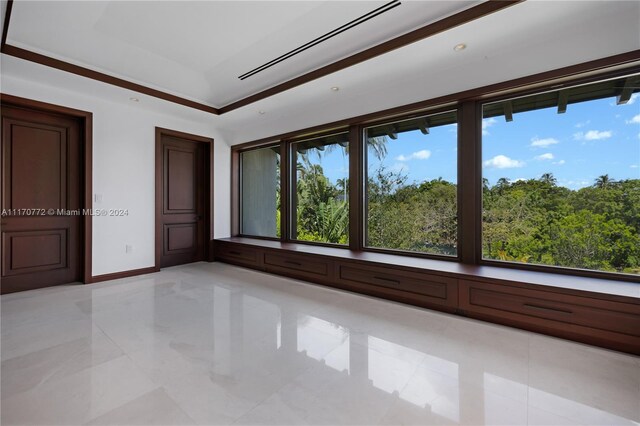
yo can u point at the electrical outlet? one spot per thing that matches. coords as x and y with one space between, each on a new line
128 248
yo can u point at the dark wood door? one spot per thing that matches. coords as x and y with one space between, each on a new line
41 198
183 201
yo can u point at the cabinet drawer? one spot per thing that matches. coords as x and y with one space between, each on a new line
297 264
542 306
433 286
235 253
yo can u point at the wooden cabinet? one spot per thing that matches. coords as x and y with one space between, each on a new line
567 315
428 289
296 265
595 318
238 254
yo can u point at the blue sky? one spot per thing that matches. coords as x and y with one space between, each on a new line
591 139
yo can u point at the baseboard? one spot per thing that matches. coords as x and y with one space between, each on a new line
123 274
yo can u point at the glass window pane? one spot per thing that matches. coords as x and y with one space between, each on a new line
411 186
260 192
561 183
321 185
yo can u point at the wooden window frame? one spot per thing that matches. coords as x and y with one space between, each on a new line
236 193
468 105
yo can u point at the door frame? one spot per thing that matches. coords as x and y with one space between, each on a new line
86 186
208 202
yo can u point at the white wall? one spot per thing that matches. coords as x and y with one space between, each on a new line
123 156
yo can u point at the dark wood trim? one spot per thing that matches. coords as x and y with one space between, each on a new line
318 134
42 106
86 121
625 63
445 24
356 186
235 193
7 19
284 192
209 184
469 174
88 197
460 18
469 104
547 280
124 274
578 310
183 135
27 55
105 78
291 186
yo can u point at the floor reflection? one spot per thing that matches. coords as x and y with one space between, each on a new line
211 343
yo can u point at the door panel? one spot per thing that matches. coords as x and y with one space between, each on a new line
39 156
181 180
181 237
183 201
41 250
41 172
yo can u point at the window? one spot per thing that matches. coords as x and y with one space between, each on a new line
561 178
320 174
260 192
411 185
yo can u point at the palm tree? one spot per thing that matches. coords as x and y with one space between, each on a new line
501 184
548 178
378 145
604 182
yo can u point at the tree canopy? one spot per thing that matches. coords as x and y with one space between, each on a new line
532 221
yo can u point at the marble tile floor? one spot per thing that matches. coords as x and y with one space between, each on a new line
210 344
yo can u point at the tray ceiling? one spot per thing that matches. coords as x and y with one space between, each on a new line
197 49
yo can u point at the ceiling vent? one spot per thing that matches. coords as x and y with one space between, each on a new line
364 18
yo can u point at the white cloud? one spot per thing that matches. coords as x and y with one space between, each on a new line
634 120
418 155
543 143
547 156
593 135
503 162
486 123
559 163
634 166
582 124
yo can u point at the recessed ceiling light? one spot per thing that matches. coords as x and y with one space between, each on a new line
459 47
335 88
134 99
261 112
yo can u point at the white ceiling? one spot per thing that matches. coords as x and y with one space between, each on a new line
524 39
197 49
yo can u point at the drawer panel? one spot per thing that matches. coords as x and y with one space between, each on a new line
237 254
561 308
426 285
296 263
